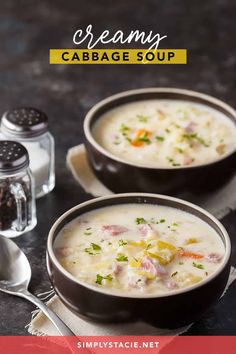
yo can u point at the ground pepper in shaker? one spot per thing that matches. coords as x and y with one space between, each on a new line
29 126
17 195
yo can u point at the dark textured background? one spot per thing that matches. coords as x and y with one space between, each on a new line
29 28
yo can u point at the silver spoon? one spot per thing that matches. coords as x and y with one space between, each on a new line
15 275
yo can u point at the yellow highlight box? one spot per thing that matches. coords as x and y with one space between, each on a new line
118 56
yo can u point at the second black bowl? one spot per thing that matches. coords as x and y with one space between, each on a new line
123 176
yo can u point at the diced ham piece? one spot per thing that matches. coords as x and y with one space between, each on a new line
114 230
149 266
187 160
160 270
171 284
190 127
144 230
152 267
63 251
117 268
214 257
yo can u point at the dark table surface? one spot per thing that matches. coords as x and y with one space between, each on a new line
29 28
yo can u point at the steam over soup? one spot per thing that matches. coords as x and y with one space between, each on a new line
139 249
166 133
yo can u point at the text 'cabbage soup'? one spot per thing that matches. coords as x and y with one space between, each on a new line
139 249
165 133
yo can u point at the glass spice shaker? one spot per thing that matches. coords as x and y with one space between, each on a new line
29 126
17 198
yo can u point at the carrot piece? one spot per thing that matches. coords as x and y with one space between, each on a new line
137 142
188 254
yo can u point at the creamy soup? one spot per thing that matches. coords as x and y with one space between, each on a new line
139 249
166 133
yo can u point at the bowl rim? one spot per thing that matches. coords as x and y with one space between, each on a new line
189 93
209 216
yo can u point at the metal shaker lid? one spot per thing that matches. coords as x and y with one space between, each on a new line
13 156
24 122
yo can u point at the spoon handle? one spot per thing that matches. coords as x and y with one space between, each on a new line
58 323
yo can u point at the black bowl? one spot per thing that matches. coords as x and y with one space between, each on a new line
123 176
178 308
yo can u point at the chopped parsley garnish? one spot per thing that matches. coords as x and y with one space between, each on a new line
159 138
201 141
181 263
140 221
167 130
195 136
144 138
198 265
100 278
93 249
125 131
161 221
121 258
148 246
142 118
88 231
169 159
122 243
89 250
173 226
172 161
173 274
180 150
